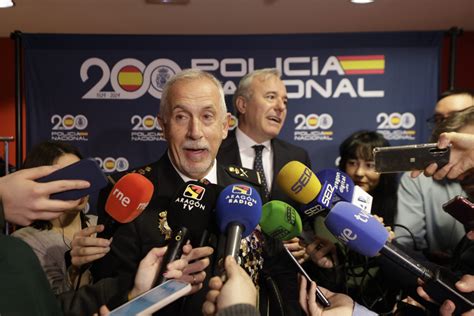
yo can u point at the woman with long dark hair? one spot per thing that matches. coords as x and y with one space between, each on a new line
51 240
357 160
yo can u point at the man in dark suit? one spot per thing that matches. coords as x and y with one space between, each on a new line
260 103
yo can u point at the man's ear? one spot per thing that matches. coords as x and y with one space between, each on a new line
241 104
225 127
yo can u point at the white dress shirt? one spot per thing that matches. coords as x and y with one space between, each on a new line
247 155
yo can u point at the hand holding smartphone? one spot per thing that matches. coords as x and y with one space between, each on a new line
154 299
409 157
85 169
461 209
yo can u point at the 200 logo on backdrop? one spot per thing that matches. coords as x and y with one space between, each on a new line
129 78
146 129
396 126
69 127
111 164
307 127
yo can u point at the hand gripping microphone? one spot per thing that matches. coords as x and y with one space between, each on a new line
281 221
238 211
189 216
301 185
362 233
129 197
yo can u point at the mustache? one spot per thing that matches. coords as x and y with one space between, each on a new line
195 145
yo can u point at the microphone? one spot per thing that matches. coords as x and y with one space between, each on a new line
341 187
362 233
302 185
281 221
238 211
189 216
129 197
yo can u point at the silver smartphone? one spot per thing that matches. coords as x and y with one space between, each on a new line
409 157
154 299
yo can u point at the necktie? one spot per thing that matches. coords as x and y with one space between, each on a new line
258 166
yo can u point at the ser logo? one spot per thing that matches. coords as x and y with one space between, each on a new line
302 181
130 78
396 126
69 127
110 164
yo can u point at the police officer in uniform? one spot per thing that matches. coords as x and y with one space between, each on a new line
195 121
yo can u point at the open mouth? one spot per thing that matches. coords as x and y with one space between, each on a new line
275 119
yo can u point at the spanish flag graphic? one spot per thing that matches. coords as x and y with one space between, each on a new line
362 65
130 78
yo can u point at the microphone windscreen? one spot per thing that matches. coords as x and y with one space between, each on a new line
239 203
193 207
280 220
356 228
342 184
298 182
129 197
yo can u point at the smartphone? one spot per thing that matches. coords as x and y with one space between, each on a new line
409 157
154 299
461 209
319 295
85 169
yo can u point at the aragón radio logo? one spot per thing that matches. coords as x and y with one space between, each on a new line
146 129
69 127
396 126
111 164
313 127
129 78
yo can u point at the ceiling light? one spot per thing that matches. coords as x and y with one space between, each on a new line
362 1
168 1
6 3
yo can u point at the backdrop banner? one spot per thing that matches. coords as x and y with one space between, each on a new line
102 92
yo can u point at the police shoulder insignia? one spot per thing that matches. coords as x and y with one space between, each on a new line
143 171
244 174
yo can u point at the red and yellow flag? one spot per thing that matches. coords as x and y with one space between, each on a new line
362 65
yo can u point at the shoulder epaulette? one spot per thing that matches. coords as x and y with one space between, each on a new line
244 174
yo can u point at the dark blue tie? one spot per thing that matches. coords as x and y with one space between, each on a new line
258 166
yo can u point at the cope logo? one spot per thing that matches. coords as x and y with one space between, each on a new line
130 78
146 129
242 189
111 164
194 191
396 126
69 127
313 127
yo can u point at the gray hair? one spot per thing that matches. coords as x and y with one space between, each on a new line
189 75
244 85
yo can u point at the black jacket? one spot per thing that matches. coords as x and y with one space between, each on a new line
132 242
